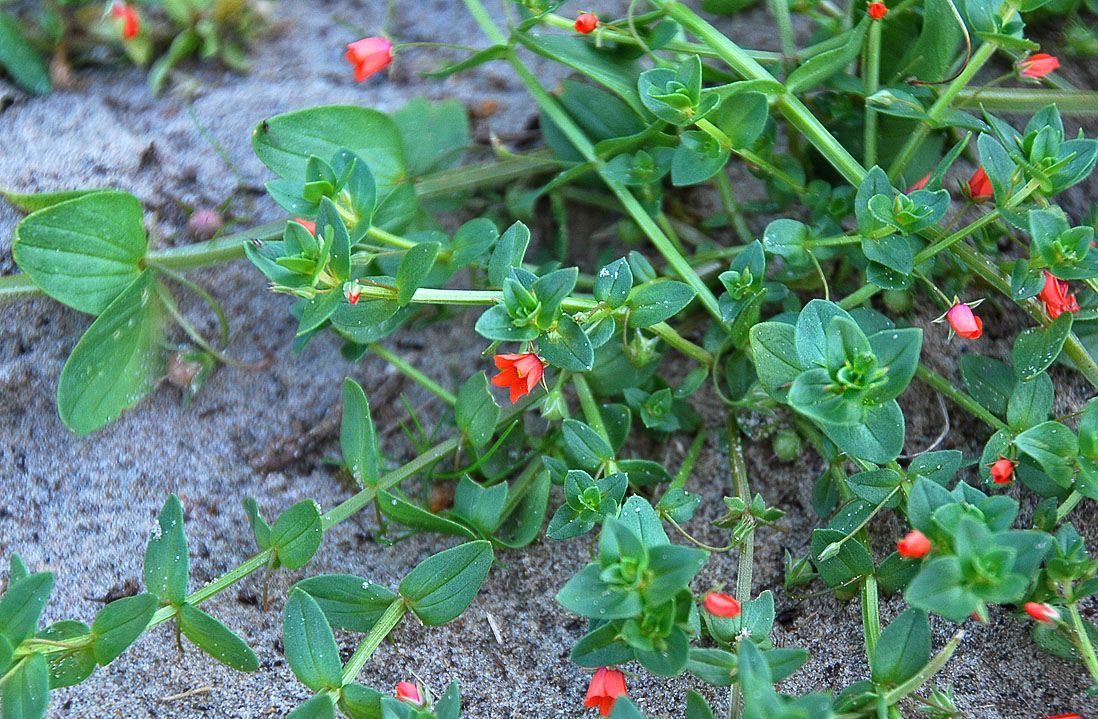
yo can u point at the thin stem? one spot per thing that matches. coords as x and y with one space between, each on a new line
728 199
959 398
871 82
688 462
408 369
932 667
206 297
1019 101
385 624
1082 640
747 546
1067 505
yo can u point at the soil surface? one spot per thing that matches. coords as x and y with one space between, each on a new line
83 507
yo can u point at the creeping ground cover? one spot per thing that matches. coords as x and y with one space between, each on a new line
867 256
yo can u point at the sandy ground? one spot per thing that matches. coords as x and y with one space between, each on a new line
83 507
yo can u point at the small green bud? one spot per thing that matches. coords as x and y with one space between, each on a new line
787 444
897 301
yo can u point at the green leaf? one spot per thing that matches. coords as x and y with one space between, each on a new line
812 395
742 117
310 646
852 560
296 534
880 439
509 252
166 557
285 143
318 707
21 605
697 158
775 354
898 352
586 446
475 411
441 587
416 264
83 252
925 497
214 638
416 517
433 133
116 362
604 67
587 595
449 706
819 68
473 240
989 381
481 506
810 336
495 324
34 201
697 707
23 63
903 648
26 688
938 588
119 624
1030 403
567 347
348 602
1054 447
1036 349
332 231
359 702
260 529
524 524
67 668
613 283
875 485
658 301
358 436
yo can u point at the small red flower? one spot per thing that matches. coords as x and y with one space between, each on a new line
587 22
1042 612
964 322
1064 716
979 186
919 185
409 692
606 686
520 372
1002 471
1054 295
369 55
131 24
1038 65
307 224
914 545
877 10
722 605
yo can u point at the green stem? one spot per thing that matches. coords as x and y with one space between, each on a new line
401 364
392 616
1067 505
590 407
871 617
688 462
959 398
871 80
1082 640
206 297
728 199
747 547
780 10
1018 101
932 667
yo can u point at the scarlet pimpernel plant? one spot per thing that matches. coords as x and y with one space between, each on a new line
810 325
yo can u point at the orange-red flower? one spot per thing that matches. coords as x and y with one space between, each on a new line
722 605
964 322
1054 295
587 22
1042 612
1002 471
877 10
520 372
131 24
606 686
1064 716
1038 65
919 185
409 692
914 545
307 224
369 55
979 186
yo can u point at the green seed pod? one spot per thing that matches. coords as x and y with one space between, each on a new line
787 444
897 301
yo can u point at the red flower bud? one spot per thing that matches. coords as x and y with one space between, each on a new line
722 605
369 55
1064 716
606 686
1054 295
914 545
520 372
877 10
919 185
1002 471
307 224
587 22
130 22
964 322
1042 612
1038 65
409 692
979 186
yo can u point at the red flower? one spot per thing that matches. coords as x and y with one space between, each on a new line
964 322
310 226
979 187
130 22
520 372
1065 716
1038 65
1042 612
1054 295
919 185
369 55
722 605
1002 471
606 686
914 545
877 10
587 22
409 692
